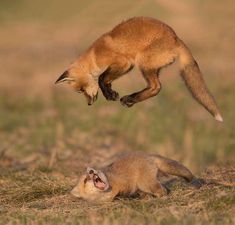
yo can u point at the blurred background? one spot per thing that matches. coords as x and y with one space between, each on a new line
53 127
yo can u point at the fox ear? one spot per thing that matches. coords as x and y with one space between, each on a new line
64 77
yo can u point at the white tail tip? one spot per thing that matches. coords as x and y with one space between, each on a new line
219 118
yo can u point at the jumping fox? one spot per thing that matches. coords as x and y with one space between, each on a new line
146 43
130 173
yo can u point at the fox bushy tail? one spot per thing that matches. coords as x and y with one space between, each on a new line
193 78
173 167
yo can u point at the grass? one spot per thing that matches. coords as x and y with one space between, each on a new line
49 135
35 197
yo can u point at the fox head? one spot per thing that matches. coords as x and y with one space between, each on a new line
79 77
92 186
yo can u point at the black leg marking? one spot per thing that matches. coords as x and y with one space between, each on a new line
106 89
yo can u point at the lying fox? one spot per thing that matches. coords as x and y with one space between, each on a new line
128 174
146 43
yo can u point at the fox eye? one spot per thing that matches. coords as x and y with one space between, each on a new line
91 171
82 90
97 180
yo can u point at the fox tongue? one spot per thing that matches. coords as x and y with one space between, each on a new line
101 185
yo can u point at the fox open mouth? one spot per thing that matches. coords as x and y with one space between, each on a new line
99 183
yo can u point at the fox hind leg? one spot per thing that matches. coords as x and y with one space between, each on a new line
151 61
152 89
154 187
148 183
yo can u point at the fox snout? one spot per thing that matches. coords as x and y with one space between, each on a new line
90 99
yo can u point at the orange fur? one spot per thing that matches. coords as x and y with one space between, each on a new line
128 174
146 43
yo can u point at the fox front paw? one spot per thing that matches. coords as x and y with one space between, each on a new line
127 101
111 95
